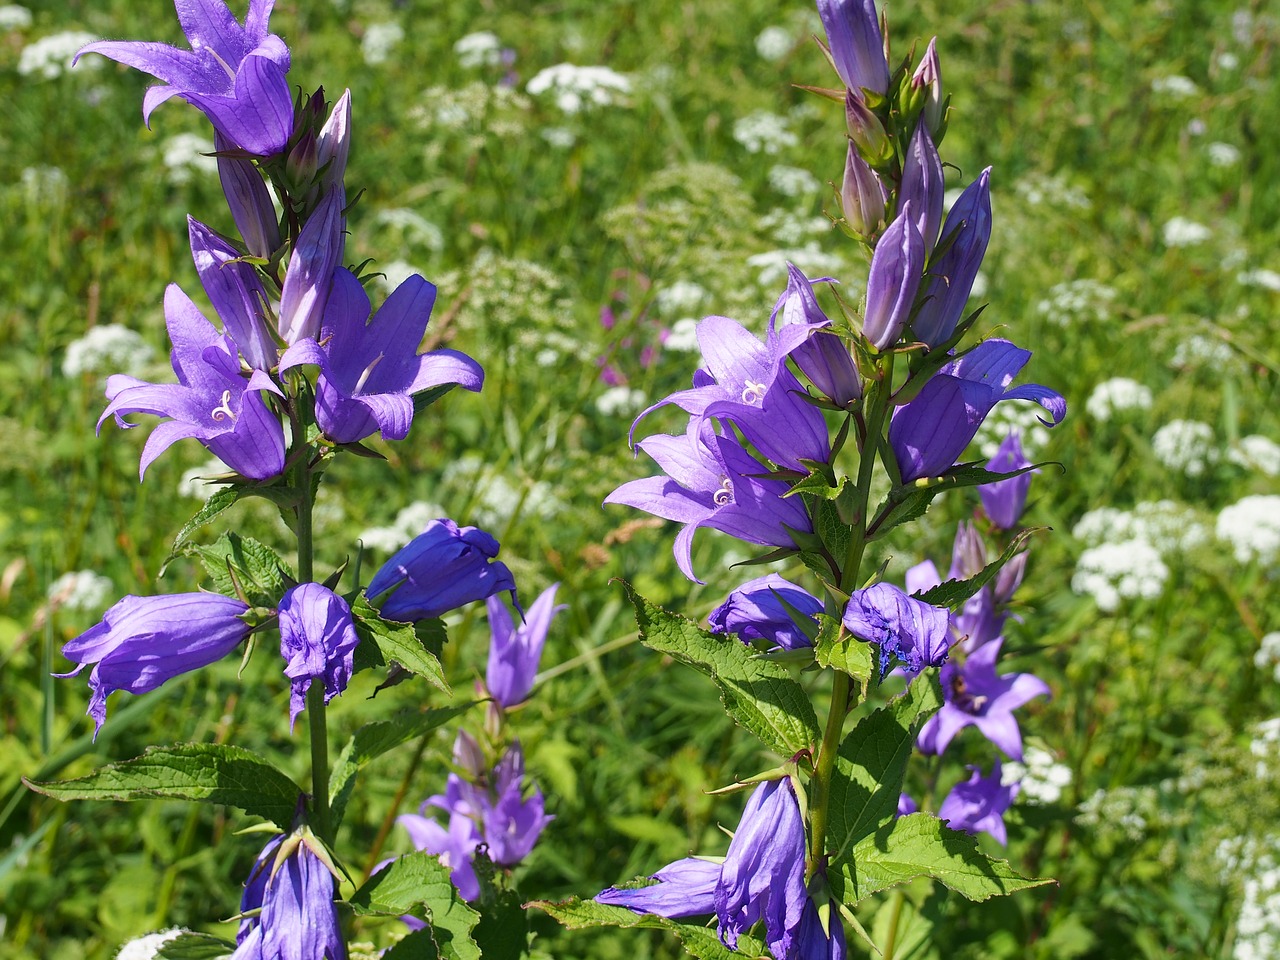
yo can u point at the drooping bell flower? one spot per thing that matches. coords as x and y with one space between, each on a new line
248 199
686 888
758 610
1005 500
143 641
977 805
236 293
315 257
916 633
862 195
930 433
233 74
439 570
923 186
952 276
211 402
371 369
514 651
814 941
856 44
894 278
292 888
824 358
317 640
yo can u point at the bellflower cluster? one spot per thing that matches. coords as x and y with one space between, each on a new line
287 907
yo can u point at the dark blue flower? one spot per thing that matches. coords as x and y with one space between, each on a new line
758 610
686 888
915 632
855 42
1005 500
977 805
892 282
292 886
952 274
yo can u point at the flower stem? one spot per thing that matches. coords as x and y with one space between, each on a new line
317 722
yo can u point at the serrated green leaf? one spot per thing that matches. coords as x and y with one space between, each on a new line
384 641
830 528
835 648
219 501
419 883
207 772
919 845
698 940
418 945
955 592
760 695
870 765
503 930
901 506
233 559
814 485
373 740
195 946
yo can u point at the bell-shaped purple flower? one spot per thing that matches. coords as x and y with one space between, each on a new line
975 696
862 195
813 941
952 275
824 358
514 651
1005 500
310 275
896 267
236 293
511 823
248 199
371 369
915 632
317 640
923 186
212 401
930 433
440 569
977 805
143 641
686 888
455 846
233 74
856 44
293 888
758 610
711 481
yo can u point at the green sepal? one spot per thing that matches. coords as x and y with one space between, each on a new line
383 642
952 593
427 397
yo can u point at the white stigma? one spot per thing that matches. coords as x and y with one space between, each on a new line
223 411
724 495
753 392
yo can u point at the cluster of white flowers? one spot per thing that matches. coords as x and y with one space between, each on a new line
409 522
793 181
14 17
148 947
186 155
1117 395
109 348
1169 527
683 337
379 40
764 132
1268 654
1126 810
1256 452
576 88
1266 279
498 495
1038 189
1040 776
1175 86
790 227
1265 746
1077 300
1184 232
621 400
82 590
1252 528
774 43
810 258
482 49
679 298
1020 415
413 226
500 108
1186 446
1112 572
1223 154
1198 350
49 56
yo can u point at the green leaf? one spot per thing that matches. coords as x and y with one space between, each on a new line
384 641
835 648
870 764
901 506
830 528
952 593
758 694
373 740
698 940
419 883
233 559
418 945
920 845
815 484
427 397
208 772
216 504
195 946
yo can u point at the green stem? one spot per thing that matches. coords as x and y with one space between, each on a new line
819 784
895 913
317 721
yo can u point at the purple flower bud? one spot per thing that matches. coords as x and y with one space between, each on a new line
686 888
923 186
896 267
977 805
143 641
249 201
316 255
953 274
824 358
468 755
298 918
917 633
757 610
862 195
1010 578
300 163
906 805
866 130
317 640
236 293
439 570
514 652
334 143
968 553
928 76
856 44
813 941
1005 500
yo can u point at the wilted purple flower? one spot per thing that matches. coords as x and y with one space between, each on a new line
953 273
929 76
757 610
813 941
686 888
862 194
233 74
915 632
143 641
211 401
712 482
929 433
248 199
923 186
236 293
454 846
292 887
1005 500
857 47
514 651
977 805
824 358
315 257
317 640
370 369
439 570
896 267
976 696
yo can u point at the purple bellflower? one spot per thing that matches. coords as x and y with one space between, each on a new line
233 74
953 273
370 369
976 696
862 195
977 805
856 44
930 433
454 846
318 641
922 186
686 888
816 942
514 651
315 257
1005 500
440 569
906 805
893 280
757 610
236 293
292 887
248 200
983 616
712 481
917 633
928 75
143 641
512 824
824 358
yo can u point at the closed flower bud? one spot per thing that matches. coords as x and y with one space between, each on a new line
862 196
866 130
334 143
765 609
894 278
856 44
236 294
307 282
300 164
248 200
824 358
952 275
514 651
1005 500
923 185
928 77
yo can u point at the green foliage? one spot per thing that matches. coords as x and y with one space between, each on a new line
385 642
243 567
418 883
698 941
